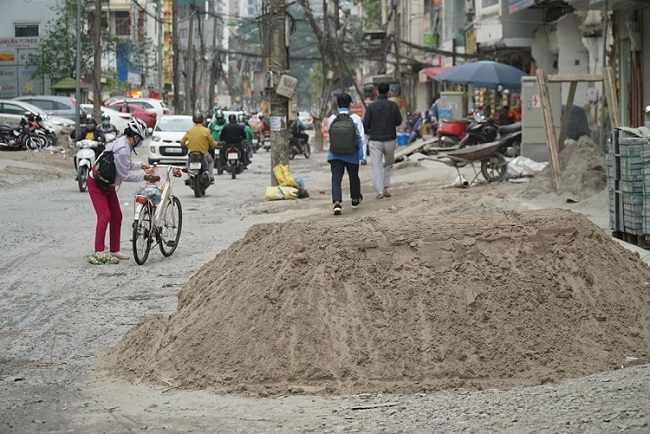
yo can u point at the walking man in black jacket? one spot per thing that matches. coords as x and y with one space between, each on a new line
380 123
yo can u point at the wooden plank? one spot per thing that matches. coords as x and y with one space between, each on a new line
567 112
559 78
548 125
612 100
403 151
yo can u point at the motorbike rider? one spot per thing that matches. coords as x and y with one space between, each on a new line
297 130
198 139
217 124
90 132
249 137
233 134
107 127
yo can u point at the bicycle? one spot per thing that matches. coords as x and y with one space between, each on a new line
160 220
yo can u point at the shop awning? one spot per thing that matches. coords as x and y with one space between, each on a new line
427 74
515 6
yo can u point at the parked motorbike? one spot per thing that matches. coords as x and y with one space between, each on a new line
10 138
451 132
233 165
85 159
198 178
481 129
31 136
267 140
41 127
299 146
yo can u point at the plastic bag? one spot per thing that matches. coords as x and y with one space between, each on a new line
280 193
151 192
284 176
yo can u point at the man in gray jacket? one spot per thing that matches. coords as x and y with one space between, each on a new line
380 122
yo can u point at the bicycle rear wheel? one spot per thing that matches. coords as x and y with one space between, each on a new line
172 223
142 230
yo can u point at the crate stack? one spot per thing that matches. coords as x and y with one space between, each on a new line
628 181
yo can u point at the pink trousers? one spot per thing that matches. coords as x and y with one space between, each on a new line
107 207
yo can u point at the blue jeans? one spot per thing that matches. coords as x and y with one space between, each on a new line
338 168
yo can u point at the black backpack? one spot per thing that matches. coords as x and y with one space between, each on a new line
343 135
104 170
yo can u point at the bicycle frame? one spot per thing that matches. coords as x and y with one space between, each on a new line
166 194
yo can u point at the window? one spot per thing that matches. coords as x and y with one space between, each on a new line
122 23
42 103
488 3
22 30
13 109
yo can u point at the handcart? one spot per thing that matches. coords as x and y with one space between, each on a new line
494 166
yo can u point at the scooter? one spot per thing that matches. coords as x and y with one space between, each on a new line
256 143
267 140
197 177
85 159
10 138
481 129
233 165
451 132
298 146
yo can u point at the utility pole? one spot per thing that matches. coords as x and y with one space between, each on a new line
175 62
160 47
278 64
97 59
78 71
189 60
213 69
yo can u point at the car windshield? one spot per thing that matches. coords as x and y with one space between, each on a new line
174 124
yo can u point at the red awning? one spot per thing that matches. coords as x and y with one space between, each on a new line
427 74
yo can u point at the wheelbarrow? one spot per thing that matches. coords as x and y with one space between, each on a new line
494 166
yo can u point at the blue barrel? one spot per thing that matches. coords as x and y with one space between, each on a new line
402 139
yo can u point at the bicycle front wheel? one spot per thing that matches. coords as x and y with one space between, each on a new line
142 230
172 222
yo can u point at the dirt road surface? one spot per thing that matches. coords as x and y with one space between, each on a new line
58 313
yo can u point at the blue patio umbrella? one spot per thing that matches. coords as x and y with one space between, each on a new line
484 74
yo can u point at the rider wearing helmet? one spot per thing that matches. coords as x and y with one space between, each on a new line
106 202
198 139
248 142
106 127
233 134
217 124
90 132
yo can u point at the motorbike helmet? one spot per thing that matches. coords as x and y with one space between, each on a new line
218 114
106 119
232 117
241 118
136 126
91 123
197 118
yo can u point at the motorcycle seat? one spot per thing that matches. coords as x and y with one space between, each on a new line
507 129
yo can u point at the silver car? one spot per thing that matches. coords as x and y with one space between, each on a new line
11 111
54 105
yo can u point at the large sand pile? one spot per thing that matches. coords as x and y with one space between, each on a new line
392 304
583 172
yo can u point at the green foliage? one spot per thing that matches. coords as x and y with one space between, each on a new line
371 13
57 51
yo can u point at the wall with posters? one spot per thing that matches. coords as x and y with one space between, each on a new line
15 77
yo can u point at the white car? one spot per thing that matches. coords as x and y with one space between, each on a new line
117 118
165 142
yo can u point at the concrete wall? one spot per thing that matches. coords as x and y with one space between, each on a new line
573 57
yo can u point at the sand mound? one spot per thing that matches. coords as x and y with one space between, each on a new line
583 172
348 306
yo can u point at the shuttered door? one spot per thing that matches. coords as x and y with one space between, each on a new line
645 57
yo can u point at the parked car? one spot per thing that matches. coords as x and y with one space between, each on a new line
149 118
151 105
54 105
11 111
117 118
165 143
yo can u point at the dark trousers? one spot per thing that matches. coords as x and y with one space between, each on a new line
338 168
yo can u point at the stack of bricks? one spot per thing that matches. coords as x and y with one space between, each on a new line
628 182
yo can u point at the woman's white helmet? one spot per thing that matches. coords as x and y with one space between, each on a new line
137 126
